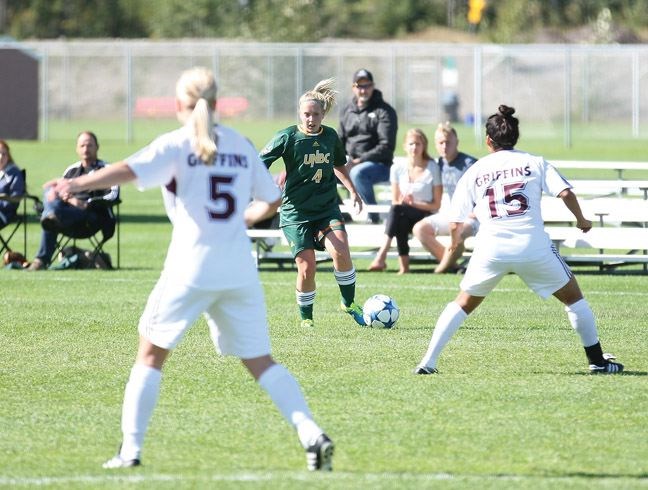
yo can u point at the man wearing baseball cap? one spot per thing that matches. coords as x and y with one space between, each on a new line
368 127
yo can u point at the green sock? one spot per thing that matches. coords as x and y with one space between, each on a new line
306 312
305 302
346 282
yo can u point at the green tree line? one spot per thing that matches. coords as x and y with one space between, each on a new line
502 21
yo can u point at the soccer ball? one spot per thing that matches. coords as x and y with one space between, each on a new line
380 311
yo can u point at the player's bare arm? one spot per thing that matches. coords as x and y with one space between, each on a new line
260 210
571 201
342 173
117 173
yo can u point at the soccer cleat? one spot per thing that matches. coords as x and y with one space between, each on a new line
425 370
319 456
355 311
307 323
608 367
118 462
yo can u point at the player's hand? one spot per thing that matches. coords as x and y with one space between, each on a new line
280 180
584 225
60 186
357 201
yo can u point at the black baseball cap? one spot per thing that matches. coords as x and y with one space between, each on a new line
362 73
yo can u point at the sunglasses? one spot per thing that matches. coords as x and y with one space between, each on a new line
363 85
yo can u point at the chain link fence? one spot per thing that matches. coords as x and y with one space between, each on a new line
556 87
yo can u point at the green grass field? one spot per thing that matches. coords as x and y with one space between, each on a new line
513 406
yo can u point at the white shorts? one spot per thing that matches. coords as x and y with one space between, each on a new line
544 274
236 317
441 224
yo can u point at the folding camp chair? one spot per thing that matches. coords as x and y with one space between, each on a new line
97 238
9 231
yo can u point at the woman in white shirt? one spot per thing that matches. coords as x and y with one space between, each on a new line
214 172
416 193
504 191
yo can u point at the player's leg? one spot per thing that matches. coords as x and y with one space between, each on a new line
140 398
305 287
285 392
238 326
480 279
451 318
337 245
582 320
302 241
169 312
549 275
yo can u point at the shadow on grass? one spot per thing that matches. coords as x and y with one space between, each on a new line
624 373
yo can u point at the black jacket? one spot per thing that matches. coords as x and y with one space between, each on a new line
369 133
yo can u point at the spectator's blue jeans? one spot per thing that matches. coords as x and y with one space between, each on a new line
364 176
70 218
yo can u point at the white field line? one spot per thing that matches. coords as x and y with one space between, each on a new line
283 477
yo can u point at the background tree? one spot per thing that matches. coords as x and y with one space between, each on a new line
503 21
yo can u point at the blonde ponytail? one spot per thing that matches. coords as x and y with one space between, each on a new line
323 93
203 131
196 91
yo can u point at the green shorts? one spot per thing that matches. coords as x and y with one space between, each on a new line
310 235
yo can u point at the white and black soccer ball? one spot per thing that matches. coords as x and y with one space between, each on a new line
380 311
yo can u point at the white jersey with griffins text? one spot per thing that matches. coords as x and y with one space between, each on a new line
209 246
504 190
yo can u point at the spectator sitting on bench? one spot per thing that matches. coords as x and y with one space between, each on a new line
368 128
453 164
416 192
76 214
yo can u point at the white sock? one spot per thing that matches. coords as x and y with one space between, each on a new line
582 320
447 324
305 298
286 394
140 398
345 278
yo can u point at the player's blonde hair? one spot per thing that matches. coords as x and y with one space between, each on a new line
322 93
196 91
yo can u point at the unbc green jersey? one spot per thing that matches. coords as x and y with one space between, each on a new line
311 186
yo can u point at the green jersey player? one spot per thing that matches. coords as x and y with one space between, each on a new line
310 216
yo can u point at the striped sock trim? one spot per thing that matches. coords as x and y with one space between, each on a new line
345 278
305 298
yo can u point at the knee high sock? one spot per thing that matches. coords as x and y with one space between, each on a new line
346 282
582 320
447 324
305 302
286 394
140 398
581 317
